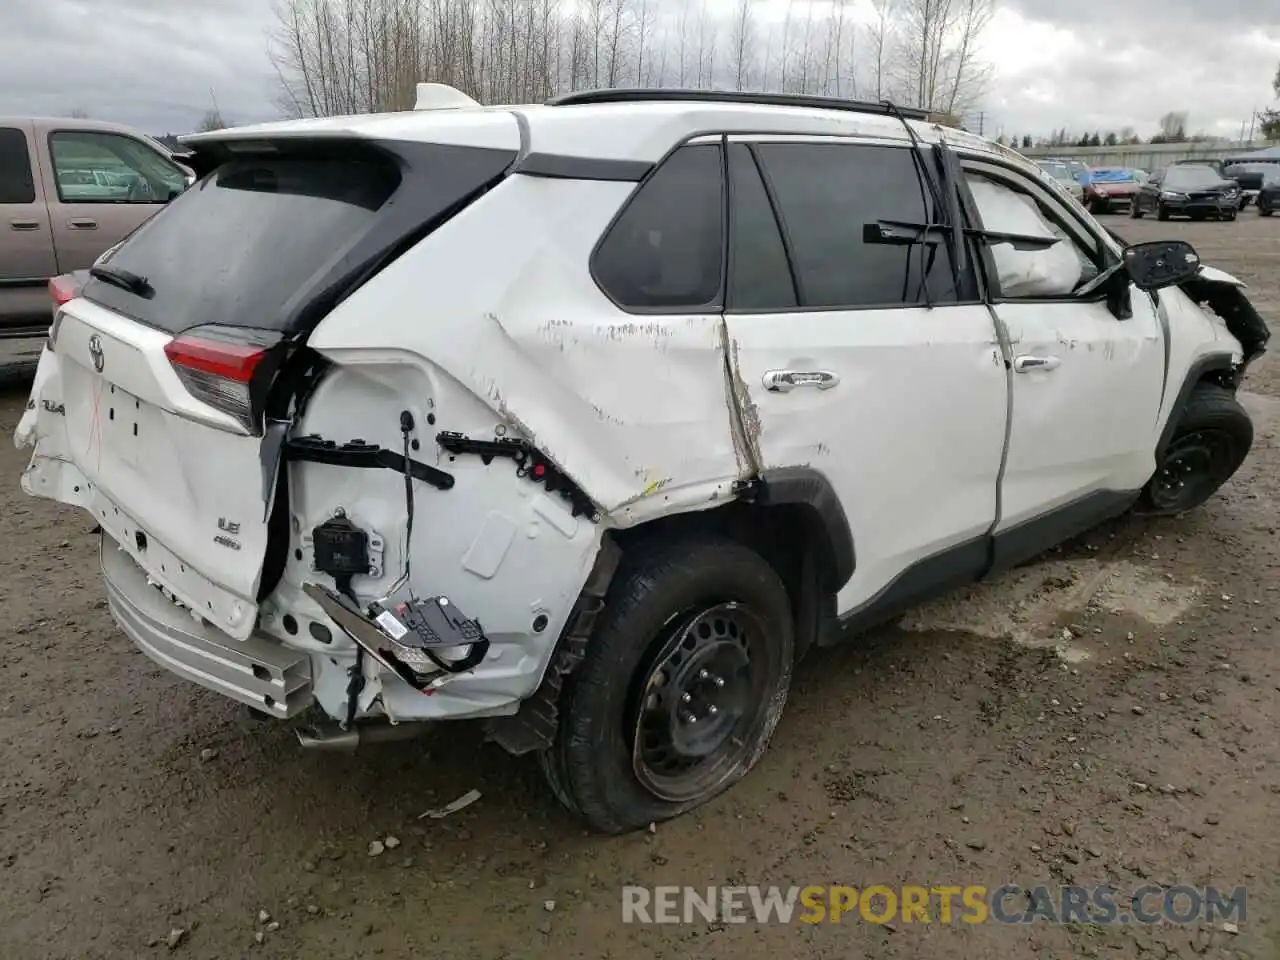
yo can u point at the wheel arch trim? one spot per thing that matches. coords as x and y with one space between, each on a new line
1207 363
827 524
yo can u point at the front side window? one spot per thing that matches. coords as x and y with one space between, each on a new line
1023 273
829 195
665 250
16 182
95 167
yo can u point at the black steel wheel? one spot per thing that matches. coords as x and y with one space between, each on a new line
1189 469
1212 438
696 708
684 680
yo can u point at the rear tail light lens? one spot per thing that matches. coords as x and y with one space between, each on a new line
61 290
224 367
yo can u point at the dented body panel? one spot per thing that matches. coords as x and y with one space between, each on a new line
632 407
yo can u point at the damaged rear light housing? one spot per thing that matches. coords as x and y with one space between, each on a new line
229 368
62 290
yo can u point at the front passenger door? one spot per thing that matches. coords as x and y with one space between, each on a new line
1087 385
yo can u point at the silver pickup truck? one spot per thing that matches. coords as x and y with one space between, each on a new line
69 189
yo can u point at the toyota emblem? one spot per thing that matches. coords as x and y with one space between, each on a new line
95 352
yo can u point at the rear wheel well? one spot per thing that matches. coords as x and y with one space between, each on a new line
787 535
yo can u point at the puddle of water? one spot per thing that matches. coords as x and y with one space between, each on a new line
1031 606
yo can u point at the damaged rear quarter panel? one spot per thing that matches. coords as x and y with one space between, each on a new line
501 299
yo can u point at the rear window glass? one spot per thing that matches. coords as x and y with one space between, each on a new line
237 247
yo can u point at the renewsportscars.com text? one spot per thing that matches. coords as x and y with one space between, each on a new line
1007 904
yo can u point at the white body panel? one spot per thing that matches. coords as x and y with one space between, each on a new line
1085 425
910 437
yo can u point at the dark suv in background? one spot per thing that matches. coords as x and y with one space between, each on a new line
1195 190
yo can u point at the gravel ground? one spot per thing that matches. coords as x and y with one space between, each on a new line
952 749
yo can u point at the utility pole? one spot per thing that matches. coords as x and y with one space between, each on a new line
981 122
1253 118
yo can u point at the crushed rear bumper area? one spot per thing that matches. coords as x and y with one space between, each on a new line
259 671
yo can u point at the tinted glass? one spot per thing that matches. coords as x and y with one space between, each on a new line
759 276
236 247
1188 175
93 167
16 183
827 194
665 250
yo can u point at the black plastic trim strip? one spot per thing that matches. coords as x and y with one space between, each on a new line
554 166
361 455
1211 363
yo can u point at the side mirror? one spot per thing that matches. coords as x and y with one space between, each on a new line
1160 263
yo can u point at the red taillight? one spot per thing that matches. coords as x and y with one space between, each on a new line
61 289
231 361
217 366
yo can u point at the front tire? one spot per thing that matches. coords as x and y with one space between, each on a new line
1162 212
1264 211
1135 211
1213 437
681 688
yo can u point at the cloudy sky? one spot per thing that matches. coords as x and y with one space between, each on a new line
160 64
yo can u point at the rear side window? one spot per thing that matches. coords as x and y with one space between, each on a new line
16 182
759 277
666 248
826 194
241 244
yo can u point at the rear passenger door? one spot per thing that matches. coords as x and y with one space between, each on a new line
106 184
871 363
26 244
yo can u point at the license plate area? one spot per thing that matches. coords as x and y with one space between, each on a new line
165 569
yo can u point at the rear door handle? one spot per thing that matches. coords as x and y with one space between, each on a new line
784 381
24 224
82 223
1029 364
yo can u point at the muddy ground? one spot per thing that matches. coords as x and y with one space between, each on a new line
956 748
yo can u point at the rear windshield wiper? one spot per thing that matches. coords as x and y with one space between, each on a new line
124 279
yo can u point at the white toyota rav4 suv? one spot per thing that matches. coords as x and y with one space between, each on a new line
589 418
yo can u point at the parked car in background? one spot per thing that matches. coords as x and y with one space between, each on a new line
1250 177
1268 199
1110 188
1190 190
69 189
1061 171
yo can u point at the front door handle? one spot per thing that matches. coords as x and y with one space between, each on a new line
784 381
24 224
1029 364
82 223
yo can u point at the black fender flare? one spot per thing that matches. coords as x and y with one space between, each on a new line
826 524
1216 362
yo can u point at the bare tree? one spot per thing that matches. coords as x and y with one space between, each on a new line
78 113
742 41
212 120
881 41
1173 127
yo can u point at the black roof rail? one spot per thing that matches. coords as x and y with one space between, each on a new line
676 95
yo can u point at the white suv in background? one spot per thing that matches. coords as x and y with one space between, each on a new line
590 418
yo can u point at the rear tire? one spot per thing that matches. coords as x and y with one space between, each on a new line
1135 212
1213 437
692 628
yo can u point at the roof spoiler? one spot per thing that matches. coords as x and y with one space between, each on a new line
441 96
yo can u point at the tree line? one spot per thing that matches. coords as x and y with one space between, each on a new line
363 56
